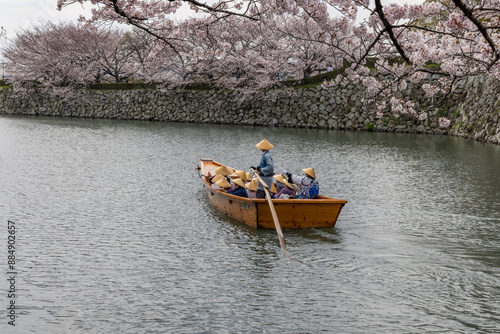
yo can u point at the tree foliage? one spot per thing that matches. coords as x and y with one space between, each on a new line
254 44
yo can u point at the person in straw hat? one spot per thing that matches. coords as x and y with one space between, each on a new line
252 188
223 184
242 175
273 190
265 167
213 180
225 171
309 186
239 189
287 191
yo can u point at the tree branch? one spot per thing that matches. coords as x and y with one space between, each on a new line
389 29
224 11
481 28
132 21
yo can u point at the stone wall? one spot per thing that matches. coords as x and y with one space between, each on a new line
478 114
473 111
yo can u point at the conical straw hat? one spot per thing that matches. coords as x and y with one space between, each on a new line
282 179
252 185
217 178
224 171
310 172
279 178
241 174
249 176
223 183
273 189
239 182
264 145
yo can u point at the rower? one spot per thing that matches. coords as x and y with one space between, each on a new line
265 167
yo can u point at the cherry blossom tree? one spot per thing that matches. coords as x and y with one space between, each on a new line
52 54
462 42
157 17
434 44
391 25
250 55
150 59
116 55
66 54
238 53
310 48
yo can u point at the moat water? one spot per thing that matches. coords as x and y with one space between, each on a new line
115 234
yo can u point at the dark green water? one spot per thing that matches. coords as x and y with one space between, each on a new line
114 232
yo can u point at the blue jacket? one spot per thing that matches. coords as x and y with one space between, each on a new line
266 164
309 187
238 191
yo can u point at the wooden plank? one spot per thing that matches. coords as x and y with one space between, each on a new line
305 215
240 208
276 222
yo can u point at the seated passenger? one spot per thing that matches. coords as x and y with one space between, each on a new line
225 171
309 186
223 184
273 191
252 188
239 189
287 191
242 174
277 182
214 180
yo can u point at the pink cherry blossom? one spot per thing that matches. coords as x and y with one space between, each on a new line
444 122
249 44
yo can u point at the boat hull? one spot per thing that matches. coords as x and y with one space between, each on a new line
319 212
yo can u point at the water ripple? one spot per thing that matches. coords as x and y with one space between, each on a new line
115 233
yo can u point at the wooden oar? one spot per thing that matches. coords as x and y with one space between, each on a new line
273 213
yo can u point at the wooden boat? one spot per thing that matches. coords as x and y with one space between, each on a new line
321 211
